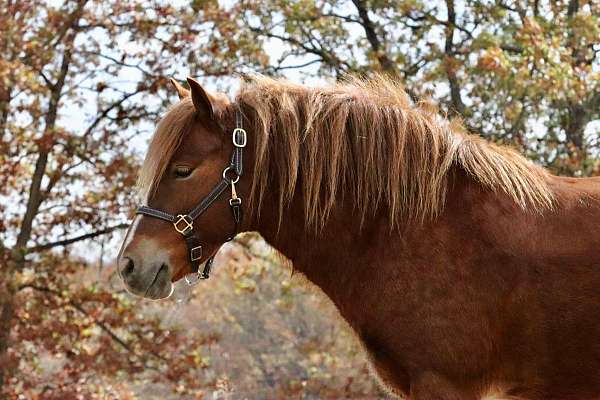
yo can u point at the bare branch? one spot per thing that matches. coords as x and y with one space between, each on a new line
107 110
378 49
346 18
118 62
46 79
328 58
306 64
66 242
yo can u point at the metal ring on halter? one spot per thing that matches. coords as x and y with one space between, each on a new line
194 280
231 180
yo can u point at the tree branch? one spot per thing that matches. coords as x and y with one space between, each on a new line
306 64
329 59
118 62
97 322
378 49
106 111
66 242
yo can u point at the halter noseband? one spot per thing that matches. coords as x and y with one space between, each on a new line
184 223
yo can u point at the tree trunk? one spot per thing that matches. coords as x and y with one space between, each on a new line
386 63
16 260
4 108
575 124
458 107
7 311
580 111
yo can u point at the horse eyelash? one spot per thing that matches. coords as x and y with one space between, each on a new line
184 171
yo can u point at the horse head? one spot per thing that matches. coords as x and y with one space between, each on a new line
191 163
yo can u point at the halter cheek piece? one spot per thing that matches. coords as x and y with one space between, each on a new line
184 223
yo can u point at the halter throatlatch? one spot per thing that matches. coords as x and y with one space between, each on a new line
184 223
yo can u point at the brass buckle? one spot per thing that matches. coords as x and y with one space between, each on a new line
189 224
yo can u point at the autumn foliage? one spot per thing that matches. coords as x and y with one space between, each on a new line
82 84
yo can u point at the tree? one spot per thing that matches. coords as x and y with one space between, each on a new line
520 72
81 333
78 80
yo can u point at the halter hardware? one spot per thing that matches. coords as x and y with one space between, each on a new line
196 253
189 224
241 133
184 223
233 180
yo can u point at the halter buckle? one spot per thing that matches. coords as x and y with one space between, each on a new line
243 137
188 224
196 253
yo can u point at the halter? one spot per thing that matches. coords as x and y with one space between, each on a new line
184 223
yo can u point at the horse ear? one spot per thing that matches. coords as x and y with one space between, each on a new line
200 99
181 91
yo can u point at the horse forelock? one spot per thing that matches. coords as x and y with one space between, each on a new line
366 139
165 141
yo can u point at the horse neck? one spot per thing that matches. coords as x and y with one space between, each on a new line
325 256
343 257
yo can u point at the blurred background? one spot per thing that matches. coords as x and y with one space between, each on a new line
82 84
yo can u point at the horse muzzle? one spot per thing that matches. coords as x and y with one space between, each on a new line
152 281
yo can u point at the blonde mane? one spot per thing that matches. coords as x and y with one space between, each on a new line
362 140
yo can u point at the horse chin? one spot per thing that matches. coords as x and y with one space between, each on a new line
159 291
161 287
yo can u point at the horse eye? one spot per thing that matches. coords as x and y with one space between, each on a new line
183 172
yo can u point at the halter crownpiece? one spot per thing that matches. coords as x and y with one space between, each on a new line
184 223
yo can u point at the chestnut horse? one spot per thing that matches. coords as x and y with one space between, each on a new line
466 271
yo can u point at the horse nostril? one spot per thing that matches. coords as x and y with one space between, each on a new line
128 269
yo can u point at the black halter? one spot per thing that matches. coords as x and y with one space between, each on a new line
184 223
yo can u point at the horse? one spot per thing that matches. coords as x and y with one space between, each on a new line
465 271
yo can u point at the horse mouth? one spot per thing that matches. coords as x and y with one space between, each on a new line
160 287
